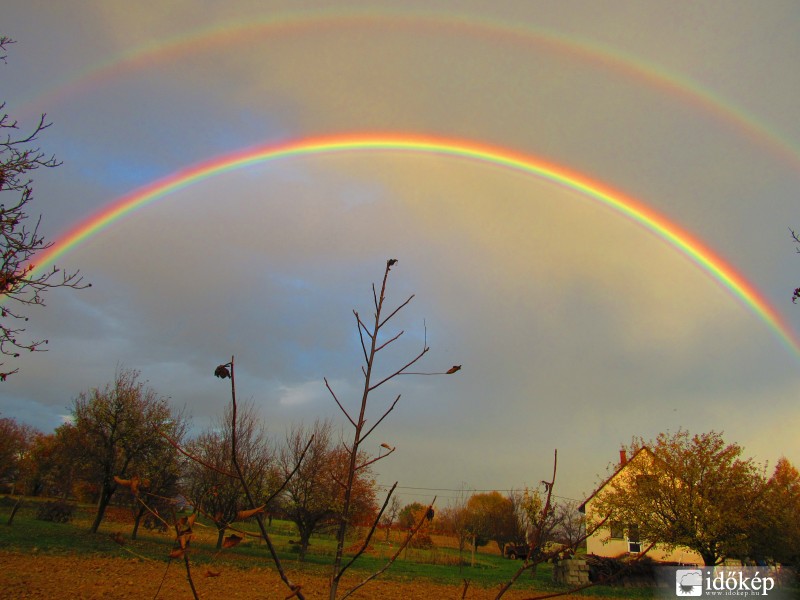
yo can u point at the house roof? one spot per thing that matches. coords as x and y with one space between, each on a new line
582 507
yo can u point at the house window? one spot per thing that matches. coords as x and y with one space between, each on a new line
633 533
617 530
634 547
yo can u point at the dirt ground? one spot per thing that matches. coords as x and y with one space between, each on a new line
85 577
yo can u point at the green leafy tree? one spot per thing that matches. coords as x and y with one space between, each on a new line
409 514
688 490
118 428
491 517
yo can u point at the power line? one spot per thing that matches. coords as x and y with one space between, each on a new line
463 490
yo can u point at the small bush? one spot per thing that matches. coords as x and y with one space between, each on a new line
421 541
57 512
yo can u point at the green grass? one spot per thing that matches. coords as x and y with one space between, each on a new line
440 565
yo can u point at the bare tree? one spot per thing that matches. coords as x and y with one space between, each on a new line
570 525
227 371
796 293
455 518
219 496
390 515
20 285
373 341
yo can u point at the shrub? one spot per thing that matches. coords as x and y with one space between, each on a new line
57 512
421 541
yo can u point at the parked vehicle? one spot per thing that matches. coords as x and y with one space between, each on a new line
515 551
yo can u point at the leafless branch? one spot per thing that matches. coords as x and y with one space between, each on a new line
378 422
397 552
389 341
189 575
395 311
292 474
341 483
163 578
374 460
193 457
359 424
362 329
368 537
20 282
346 414
265 536
400 370
534 545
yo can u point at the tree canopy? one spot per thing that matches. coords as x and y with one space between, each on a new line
118 429
313 498
688 490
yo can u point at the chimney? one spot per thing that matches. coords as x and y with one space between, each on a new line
623 457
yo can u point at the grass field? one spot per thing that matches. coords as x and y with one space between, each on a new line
440 565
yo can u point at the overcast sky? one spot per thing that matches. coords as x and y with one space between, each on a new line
576 328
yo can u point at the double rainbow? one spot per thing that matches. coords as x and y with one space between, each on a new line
636 211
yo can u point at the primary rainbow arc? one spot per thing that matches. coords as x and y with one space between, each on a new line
635 210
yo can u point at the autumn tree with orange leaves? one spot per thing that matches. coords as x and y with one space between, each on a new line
776 534
314 496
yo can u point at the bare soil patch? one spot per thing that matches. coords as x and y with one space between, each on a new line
42 576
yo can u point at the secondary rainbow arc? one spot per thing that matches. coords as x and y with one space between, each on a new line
594 52
672 233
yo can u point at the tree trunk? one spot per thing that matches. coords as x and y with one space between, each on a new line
710 558
305 538
136 520
102 504
474 545
220 534
14 510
